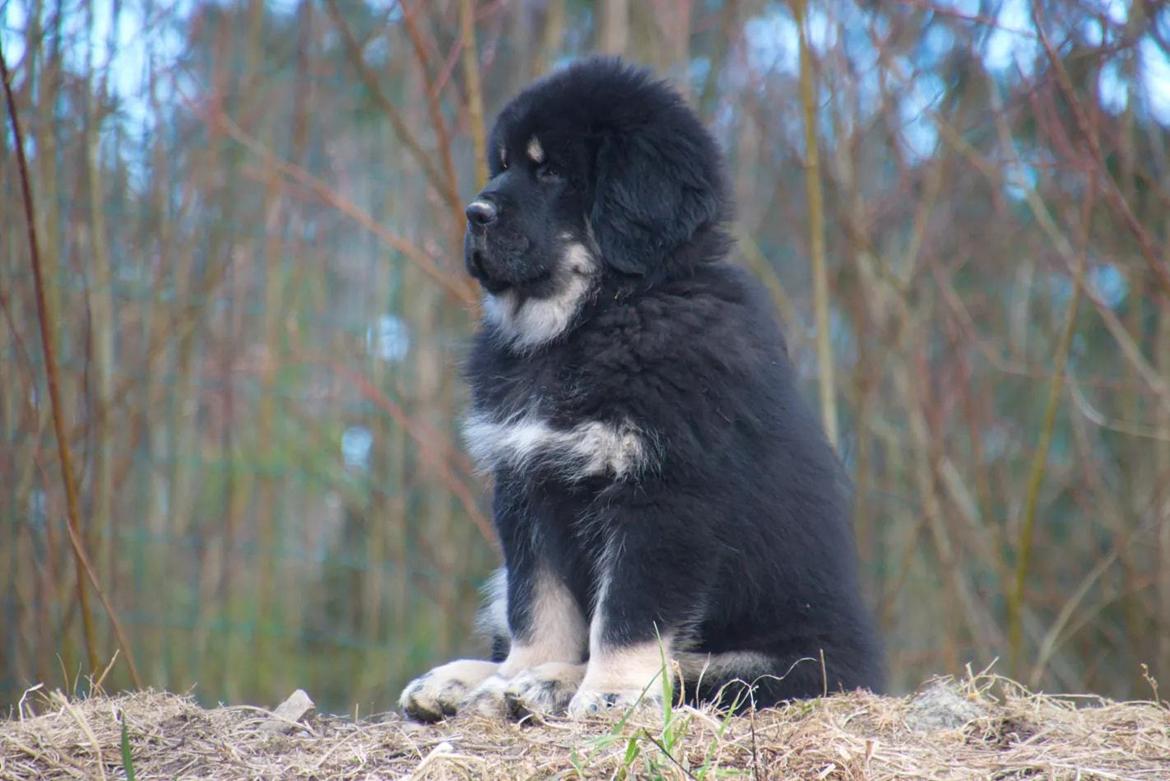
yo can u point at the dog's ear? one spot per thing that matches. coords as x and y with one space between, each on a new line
651 193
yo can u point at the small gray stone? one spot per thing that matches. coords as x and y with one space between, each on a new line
289 712
942 706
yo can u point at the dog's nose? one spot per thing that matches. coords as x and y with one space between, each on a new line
481 212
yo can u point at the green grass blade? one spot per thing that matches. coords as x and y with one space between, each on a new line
127 761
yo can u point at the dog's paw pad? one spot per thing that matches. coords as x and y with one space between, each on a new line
437 694
545 690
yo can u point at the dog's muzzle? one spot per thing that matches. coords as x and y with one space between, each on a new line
477 257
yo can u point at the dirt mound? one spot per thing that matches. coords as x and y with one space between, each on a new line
984 727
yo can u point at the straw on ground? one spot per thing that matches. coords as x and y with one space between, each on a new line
981 727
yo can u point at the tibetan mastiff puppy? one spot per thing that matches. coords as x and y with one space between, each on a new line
662 490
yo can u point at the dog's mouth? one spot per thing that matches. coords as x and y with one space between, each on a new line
498 271
477 265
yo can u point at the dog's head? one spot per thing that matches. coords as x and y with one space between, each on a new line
597 169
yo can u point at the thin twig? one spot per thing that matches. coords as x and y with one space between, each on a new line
73 511
460 292
667 754
420 155
438 123
1159 264
426 447
1036 474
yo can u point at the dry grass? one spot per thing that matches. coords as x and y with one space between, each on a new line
983 727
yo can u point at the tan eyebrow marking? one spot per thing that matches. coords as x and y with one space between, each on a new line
504 156
535 150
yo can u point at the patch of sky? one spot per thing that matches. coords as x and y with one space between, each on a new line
841 334
1012 44
919 135
822 30
1116 10
356 442
1109 284
388 339
1019 178
286 7
1096 31
1155 76
1112 87
697 70
564 61
857 41
133 47
13 20
963 7
377 51
1106 282
36 509
935 46
1093 31
773 42
723 120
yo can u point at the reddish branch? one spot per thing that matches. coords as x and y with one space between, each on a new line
73 512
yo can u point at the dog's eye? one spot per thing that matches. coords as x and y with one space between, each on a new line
548 173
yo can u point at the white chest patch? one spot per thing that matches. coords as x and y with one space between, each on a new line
588 449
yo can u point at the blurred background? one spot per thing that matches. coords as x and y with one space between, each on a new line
249 218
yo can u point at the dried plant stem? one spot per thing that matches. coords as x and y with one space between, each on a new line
72 505
474 90
401 129
458 290
1015 601
438 124
816 231
50 355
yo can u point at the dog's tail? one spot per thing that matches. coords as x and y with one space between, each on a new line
491 622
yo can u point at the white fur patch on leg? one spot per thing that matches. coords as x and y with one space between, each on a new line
588 449
559 632
543 668
438 693
619 678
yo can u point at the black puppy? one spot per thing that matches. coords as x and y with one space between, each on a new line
661 488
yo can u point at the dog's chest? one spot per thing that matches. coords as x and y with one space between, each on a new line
526 386
537 418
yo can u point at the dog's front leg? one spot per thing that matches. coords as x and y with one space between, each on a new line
650 585
546 623
544 662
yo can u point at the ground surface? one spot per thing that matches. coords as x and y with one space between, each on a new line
981 728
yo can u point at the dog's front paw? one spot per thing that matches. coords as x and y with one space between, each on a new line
545 689
487 699
593 702
437 694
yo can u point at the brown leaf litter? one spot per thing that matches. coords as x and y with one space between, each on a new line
984 727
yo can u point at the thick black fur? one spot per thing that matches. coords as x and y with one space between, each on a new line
736 537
